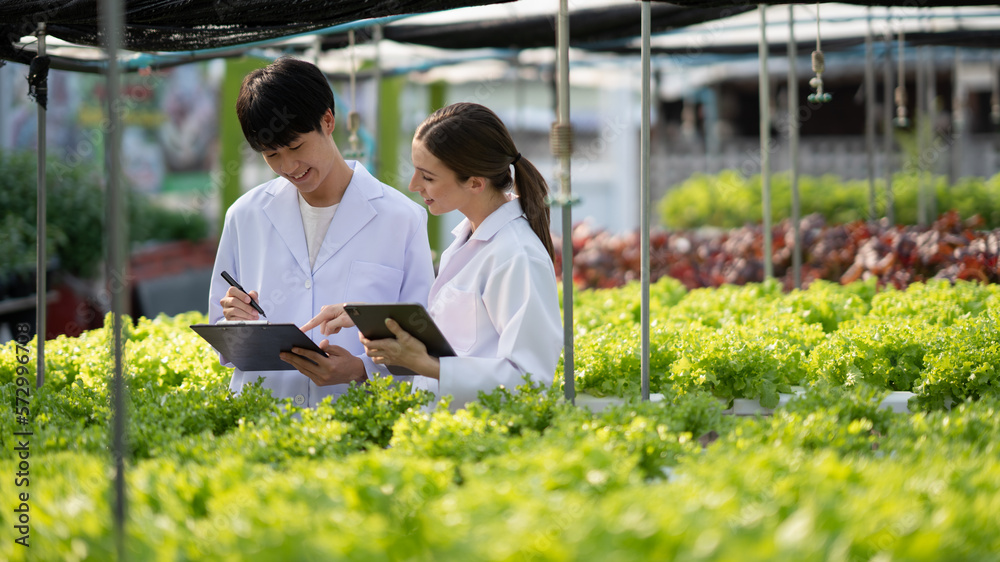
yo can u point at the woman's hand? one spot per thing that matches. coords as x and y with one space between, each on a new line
405 351
236 305
339 367
331 319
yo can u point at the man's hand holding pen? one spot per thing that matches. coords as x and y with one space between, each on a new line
236 305
243 297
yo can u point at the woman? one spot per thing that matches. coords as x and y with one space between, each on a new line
495 296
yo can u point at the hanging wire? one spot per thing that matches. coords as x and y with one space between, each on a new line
353 117
902 121
818 66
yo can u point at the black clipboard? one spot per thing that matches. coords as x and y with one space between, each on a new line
253 346
412 317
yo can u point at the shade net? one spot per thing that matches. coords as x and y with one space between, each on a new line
189 25
887 3
586 27
196 25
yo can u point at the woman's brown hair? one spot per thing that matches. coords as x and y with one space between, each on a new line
472 141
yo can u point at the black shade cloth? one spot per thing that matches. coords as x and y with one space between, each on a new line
194 25
187 25
887 3
586 26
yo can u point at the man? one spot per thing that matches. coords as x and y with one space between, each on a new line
324 231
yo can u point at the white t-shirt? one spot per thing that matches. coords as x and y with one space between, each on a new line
316 221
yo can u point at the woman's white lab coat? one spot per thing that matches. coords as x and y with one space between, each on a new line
376 250
495 300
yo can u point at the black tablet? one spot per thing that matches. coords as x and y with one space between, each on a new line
255 346
412 317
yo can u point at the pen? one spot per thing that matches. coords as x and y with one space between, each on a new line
229 279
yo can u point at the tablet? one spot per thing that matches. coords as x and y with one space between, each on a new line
412 317
255 346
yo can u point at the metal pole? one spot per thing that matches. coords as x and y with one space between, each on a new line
765 142
887 87
926 131
958 119
41 267
931 125
870 117
377 79
562 91
793 148
113 21
644 140
919 122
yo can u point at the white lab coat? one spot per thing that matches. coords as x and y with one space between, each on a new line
376 250
495 301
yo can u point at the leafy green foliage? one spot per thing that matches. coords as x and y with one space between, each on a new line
885 355
730 200
755 341
964 364
76 211
827 304
623 306
520 473
374 407
75 206
744 362
935 302
847 404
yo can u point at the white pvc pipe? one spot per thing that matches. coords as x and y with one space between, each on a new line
645 197
793 148
562 94
765 143
919 122
41 267
870 117
117 282
890 211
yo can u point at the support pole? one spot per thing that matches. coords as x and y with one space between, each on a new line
890 212
931 164
644 140
41 267
793 148
870 117
376 160
112 21
562 126
765 142
957 119
919 122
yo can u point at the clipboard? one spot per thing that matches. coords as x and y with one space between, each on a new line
412 317
255 346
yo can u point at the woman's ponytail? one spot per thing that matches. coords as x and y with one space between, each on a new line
533 193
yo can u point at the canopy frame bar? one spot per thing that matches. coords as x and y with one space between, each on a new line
565 194
644 203
765 143
793 148
41 266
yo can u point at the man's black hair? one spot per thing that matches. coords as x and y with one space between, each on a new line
281 101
